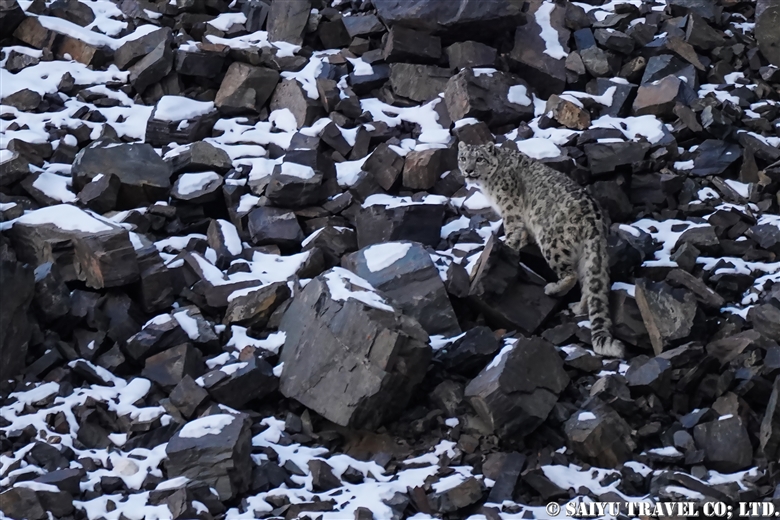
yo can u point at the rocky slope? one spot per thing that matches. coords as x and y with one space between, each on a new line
243 278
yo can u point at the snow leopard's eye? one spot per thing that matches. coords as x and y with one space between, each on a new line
481 159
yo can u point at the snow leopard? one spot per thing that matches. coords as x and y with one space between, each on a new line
541 204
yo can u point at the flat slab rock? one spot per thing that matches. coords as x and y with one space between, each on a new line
348 355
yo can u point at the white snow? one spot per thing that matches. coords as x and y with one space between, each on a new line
230 234
55 186
297 170
65 217
187 323
553 47
283 119
585 416
181 108
190 183
538 148
509 345
337 280
382 256
518 94
225 21
209 425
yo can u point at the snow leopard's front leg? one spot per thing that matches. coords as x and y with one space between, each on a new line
516 233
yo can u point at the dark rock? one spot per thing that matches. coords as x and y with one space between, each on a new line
169 367
52 298
384 165
278 226
294 185
420 83
658 99
64 479
505 471
423 168
290 94
766 320
237 384
329 321
606 157
153 67
405 272
251 307
101 193
162 129
567 113
333 241
599 435
470 352
668 313
516 392
11 15
205 61
132 51
506 293
22 503
470 54
726 444
416 222
546 72
497 99
701 35
322 476
650 375
187 396
13 168
214 449
713 157
197 188
704 8
704 294
767 20
769 436
362 25
145 177
246 88
201 156
18 282
463 495
159 334
287 20
408 45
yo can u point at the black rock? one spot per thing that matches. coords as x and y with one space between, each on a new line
200 156
599 435
327 328
237 384
726 444
169 367
277 226
470 54
323 478
470 353
287 20
606 157
409 45
246 88
412 281
420 83
18 283
713 157
497 98
416 222
766 320
516 392
187 396
463 495
215 449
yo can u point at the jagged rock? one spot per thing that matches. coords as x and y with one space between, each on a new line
323 478
384 165
423 168
322 326
497 98
22 503
169 367
13 167
251 307
187 396
504 469
726 444
197 188
11 15
658 98
84 249
200 156
405 272
507 294
246 88
409 45
713 157
214 449
278 226
470 352
767 20
132 51
177 119
650 375
294 185
606 157
236 384
545 68
205 60
599 435
155 287
470 54
333 241
291 95
153 67
52 297
145 177
463 495
516 392
704 294
766 320
101 193
415 222
287 20
420 83
160 333
363 25
18 284
668 313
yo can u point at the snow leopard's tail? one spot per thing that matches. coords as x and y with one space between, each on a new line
594 277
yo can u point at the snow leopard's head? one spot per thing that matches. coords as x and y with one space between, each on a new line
477 162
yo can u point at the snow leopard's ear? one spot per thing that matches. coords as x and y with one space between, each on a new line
462 146
491 148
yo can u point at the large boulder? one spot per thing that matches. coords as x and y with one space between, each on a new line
405 272
497 98
18 284
145 178
348 354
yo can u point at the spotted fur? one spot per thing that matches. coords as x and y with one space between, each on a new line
544 205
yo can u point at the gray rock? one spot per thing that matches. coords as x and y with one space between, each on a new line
22 503
766 320
236 384
412 281
767 20
145 177
287 20
18 284
726 444
187 396
409 45
169 367
516 392
290 95
704 294
507 294
333 241
658 99
668 313
246 88
422 169
13 169
277 226
215 449
470 353
606 157
470 54
487 98
197 188
384 165
161 133
52 297
201 156
132 51
363 25
152 68
547 74
294 185
463 495
420 83
647 375
251 307
713 157
355 364
101 193
599 435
